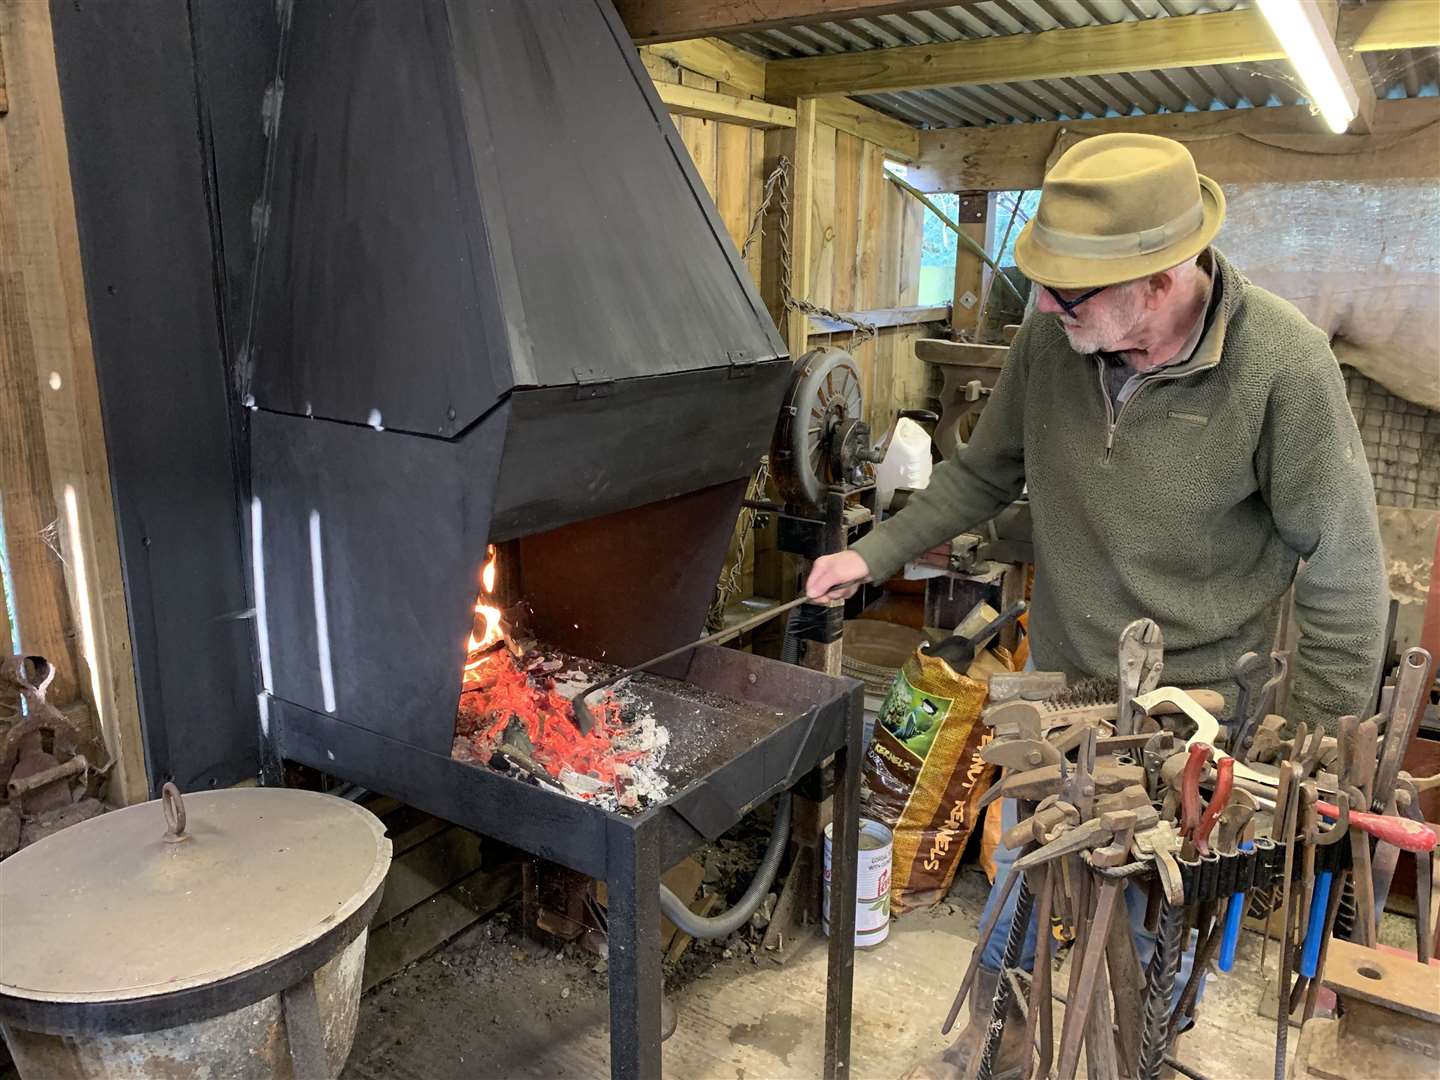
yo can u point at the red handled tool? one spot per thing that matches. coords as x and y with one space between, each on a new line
1405 834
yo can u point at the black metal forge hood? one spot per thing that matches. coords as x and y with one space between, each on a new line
493 301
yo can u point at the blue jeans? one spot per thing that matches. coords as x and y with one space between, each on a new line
994 953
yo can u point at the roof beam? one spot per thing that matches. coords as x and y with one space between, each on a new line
1274 144
1232 37
673 20
718 60
1392 25
711 105
899 140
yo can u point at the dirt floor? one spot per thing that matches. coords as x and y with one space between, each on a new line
492 1005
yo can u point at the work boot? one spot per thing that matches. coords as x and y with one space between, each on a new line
961 1059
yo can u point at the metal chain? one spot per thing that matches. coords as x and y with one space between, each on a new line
779 181
729 585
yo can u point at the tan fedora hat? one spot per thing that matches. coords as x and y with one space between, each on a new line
1118 207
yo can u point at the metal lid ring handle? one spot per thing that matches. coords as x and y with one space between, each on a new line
174 807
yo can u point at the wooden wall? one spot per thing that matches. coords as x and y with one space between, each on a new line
55 503
865 233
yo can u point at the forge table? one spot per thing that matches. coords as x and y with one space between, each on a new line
743 729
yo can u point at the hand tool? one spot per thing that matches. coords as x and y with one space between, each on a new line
959 652
1035 784
1159 985
1127 985
1282 986
1405 708
1207 728
1087 836
982 939
1234 818
1041 1008
1141 651
1408 802
585 720
1385 857
1405 833
1018 754
1321 919
1309 834
1161 843
1122 827
1157 748
1014 948
1248 673
1051 817
1013 720
1242 736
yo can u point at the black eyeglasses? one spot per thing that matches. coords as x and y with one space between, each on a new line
1071 305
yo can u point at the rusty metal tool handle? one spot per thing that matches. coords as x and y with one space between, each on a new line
1405 709
1224 785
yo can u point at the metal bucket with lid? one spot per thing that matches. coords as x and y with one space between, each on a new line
224 937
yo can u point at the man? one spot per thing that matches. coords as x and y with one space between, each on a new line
1186 441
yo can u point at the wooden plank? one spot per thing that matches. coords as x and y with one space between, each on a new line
911 225
1234 146
404 940
424 870
797 323
1390 26
717 60
875 200
671 20
900 140
969 267
941 351
913 315
699 135
758 170
732 178
46 255
1232 37
847 218
822 227
712 105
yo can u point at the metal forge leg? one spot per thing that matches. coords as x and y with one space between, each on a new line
632 882
844 854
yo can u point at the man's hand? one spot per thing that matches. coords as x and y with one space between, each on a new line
836 577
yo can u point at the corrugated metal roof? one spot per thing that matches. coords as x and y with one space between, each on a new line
1395 75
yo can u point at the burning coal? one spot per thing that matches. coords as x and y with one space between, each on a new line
514 714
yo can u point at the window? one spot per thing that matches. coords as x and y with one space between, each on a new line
937 253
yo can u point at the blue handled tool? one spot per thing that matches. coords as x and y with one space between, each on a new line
1315 925
1234 914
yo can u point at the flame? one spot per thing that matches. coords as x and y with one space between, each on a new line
487 623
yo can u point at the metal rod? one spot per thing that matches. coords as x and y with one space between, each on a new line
583 718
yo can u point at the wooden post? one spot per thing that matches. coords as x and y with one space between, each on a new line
797 323
47 345
969 269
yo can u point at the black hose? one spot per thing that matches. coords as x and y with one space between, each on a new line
727 922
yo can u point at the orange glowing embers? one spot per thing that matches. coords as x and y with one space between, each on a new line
514 714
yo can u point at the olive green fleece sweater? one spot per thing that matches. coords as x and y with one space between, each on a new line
1191 504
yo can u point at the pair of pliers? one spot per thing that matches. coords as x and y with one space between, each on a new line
1141 660
1196 822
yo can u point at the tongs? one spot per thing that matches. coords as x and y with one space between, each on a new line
585 721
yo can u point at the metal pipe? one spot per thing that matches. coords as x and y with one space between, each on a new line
726 923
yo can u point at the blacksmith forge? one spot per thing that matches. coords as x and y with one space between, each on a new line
472 293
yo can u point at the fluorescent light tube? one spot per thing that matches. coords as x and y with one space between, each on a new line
1301 30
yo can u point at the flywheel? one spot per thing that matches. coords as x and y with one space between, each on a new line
820 439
